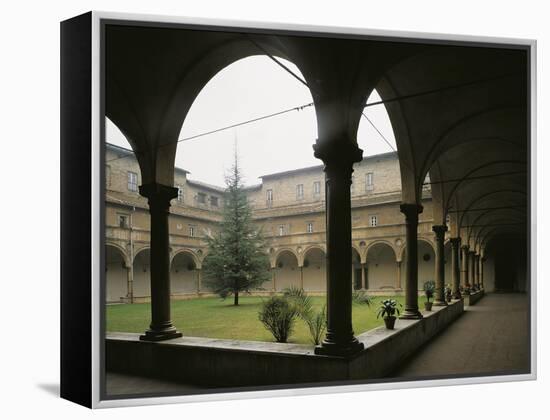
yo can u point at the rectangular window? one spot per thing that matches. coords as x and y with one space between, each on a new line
281 230
299 192
180 193
373 221
269 198
201 198
132 181
191 230
309 227
123 221
213 201
317 188
370 181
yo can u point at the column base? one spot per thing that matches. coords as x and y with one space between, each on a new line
151 335
411 314
457 296
440 303
337 349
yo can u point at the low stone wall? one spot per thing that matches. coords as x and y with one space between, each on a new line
473 298
230 363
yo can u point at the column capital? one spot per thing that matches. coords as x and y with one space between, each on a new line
411 211
472 252
455 241
337 153
158 194
465 247
439 229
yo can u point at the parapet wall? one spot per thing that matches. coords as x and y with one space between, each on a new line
232 363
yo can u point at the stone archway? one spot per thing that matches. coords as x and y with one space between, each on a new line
287 272
314 270
184 276
381 267
116 274
142 274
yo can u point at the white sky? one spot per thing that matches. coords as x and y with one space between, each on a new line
247 89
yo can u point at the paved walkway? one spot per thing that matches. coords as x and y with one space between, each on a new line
490 337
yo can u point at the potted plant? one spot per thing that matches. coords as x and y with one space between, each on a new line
429 290
388 308
448 293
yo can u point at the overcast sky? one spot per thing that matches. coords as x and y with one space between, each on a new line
248 89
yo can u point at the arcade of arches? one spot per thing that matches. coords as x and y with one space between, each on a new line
459 114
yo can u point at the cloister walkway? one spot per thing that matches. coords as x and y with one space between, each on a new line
490 337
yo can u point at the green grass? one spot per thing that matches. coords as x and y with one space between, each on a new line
216 318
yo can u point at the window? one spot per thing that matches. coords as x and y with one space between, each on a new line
213 201
281 230
180 194
269 197
370 181
309 227
373 221
132 181
201 198
191 230
317 188
123 221
299 192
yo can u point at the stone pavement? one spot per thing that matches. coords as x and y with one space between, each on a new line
491 337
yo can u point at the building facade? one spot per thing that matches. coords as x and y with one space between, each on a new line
288 206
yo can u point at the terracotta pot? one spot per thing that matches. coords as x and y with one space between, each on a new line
428 306
390 322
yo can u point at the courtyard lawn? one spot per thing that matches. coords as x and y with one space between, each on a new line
216 318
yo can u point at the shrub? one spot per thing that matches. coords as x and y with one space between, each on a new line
316 320
360 297
278 316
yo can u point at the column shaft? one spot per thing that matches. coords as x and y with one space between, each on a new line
440 265
159 197
130 283
471 268
338 157
464 269
363 276
398 280
411 212
455 269
199 281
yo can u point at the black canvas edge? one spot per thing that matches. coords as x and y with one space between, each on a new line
76 209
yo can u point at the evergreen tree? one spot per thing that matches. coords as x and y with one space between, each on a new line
236 260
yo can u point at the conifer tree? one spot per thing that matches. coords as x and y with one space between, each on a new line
236 260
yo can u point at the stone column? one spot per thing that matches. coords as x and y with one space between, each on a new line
130 283
338 158
481 261
464 268
411 212
159 197
440 265
476 270
302 277
199 280
363 276
471 267
273 279
398 281
455 268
